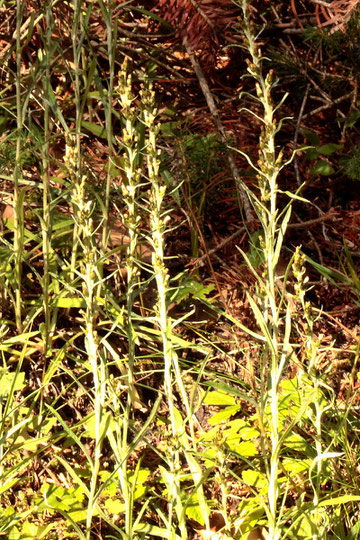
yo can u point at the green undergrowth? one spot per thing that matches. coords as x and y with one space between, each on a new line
118 417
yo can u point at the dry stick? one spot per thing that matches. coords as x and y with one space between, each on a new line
293 7
215 114
301 225
352 334
100 50
328 105
23 32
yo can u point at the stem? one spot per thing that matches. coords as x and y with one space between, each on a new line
108 118
78 116
268 169
46 222
18 209
131 221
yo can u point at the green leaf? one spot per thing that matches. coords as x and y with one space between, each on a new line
153 16
115 506
243 449
311 136
193 509
296 466
323 168
149 531
296 442
311 154
41 425
219 398
139 479
304 528
223 387
68 500
329 273
67 303
351 119
107 424
8 379
344 499
256 254
168 128
223 415
36 532
9 484
255 479
328 149
95 129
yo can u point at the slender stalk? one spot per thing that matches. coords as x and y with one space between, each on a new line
96 362
172 374
89 276
76 47
18 209
108 119
269 164
132 221
46 221
314 379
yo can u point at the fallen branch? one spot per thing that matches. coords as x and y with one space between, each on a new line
213 109
302 225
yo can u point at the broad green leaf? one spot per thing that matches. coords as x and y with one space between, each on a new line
115 506
41 424
255 479
7 379
68 500
304 528
210 457
226 388
223 415
330 148
193 509
95 129
140 479
168 128
149 531
107 423
311 154
323 168
35 532
243 449
219 398
296 466
297 442
244 429
351 119
311 136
